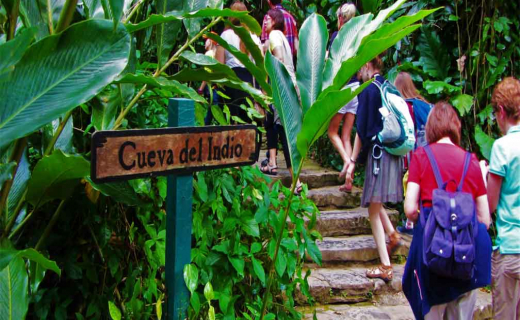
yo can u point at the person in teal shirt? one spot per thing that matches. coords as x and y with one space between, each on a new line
503 187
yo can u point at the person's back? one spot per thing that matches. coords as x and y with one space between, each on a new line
504 196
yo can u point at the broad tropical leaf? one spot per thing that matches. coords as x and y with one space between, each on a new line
463 103
12 51
155 19
435 87
287 104
32 18
366 53
209 63
311 59
166 33
14 295
193 25
317 119
64 142
484 141
381 17
434 59
55 176
104 108
58 73
23 174
119 192
6 172
259 74
7 255
345 46
175 86
252 47
116 10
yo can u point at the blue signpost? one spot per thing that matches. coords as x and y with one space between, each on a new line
181 113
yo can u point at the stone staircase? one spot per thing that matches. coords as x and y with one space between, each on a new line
339 287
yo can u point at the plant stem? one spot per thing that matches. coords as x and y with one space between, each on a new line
20 226
134 10
13 18
49 17
66 15
49 227
17 154
279 241
58 132
157 73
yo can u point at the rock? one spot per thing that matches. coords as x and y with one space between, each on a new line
349 285
348 222
360 312
354 249
331 198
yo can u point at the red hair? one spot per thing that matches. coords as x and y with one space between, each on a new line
507 95
443 122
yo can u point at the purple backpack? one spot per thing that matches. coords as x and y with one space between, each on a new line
451 228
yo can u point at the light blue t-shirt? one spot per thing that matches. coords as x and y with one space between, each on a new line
505 162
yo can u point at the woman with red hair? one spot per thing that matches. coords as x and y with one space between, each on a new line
433 296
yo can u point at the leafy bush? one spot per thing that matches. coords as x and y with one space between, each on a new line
236 220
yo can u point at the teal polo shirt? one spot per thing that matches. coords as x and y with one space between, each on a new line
505 162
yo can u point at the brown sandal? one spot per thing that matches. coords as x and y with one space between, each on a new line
385 273
394 243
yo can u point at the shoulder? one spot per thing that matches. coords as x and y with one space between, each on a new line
288 16
227 34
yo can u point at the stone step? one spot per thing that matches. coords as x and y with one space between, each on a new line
354 249
350 285
377 311
348 222
331 198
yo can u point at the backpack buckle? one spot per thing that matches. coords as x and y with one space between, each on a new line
453 217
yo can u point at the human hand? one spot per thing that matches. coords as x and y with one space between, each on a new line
350 170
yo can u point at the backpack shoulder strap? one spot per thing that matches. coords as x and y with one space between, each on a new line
467 160
435 167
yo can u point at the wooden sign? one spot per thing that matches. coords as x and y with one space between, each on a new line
130 154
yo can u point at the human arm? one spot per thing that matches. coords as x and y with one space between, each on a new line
201 88
494 185
277 52
220 54
411 201
483 215
355 152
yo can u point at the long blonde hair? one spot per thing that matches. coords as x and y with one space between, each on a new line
405 85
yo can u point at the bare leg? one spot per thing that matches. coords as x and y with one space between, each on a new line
374 211
272 157
385 220
334 137
348 123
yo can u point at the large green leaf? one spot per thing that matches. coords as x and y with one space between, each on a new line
344 47
210 63
32 17
287 104
175 86
381 17
58 73
155 19
23 174
166 33
6 172
434 59
55 176
252 47
14 296
257 95
311 59
104 108
435 87
64 142
193 25
317 119
368 51
7 255
484 142
119 192
463 103
116 10
12 51
258 73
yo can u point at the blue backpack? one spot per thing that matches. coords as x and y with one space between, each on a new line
421 110
450 231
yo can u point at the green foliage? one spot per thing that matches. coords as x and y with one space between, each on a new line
236 220
85 68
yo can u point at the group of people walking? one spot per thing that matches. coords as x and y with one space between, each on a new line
448 194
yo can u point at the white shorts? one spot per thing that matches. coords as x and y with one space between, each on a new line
352 106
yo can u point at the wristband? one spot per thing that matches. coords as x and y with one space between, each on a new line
352 160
